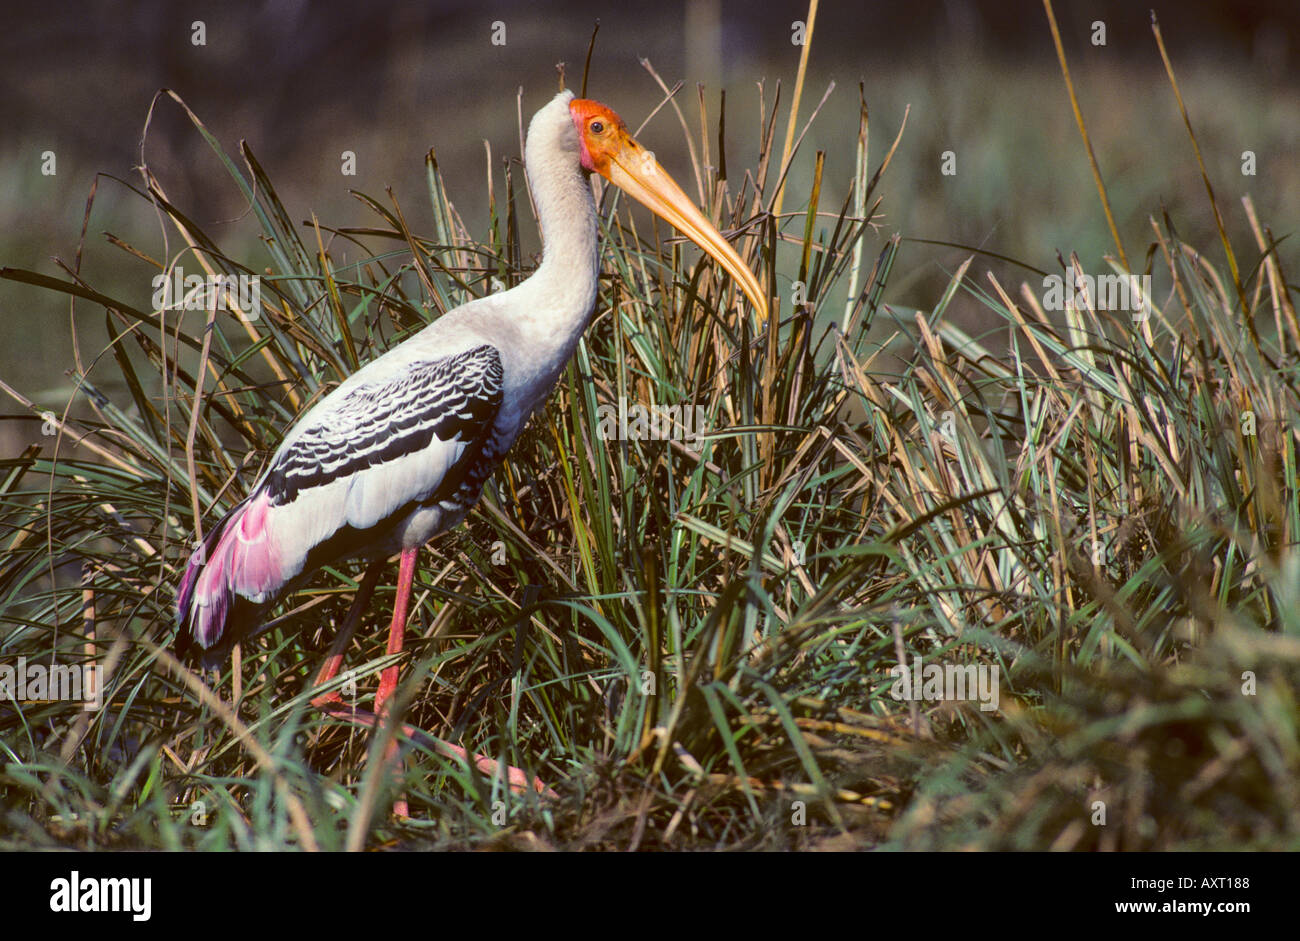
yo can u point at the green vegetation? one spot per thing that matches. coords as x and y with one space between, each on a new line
693 647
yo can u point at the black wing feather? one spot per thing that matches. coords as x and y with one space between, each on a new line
454 396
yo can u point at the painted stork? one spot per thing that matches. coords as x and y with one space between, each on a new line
399 452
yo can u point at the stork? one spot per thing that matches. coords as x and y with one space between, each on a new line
399 452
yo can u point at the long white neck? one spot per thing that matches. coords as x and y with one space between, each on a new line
570 264
553 305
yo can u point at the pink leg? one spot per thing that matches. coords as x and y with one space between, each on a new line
329 703
388 679
397 629
334 659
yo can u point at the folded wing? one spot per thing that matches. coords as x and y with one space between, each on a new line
355 466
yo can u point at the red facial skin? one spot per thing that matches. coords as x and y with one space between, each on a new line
600 132
607 148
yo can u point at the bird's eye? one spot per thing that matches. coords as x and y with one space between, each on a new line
597 127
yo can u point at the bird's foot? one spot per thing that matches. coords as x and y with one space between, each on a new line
518 780
326 701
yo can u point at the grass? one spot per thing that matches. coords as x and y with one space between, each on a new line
692 646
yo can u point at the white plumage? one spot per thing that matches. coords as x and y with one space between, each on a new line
400 451
363 468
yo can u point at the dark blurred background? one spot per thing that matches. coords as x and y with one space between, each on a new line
303 82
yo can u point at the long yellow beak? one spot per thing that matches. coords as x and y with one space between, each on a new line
636 171
616 155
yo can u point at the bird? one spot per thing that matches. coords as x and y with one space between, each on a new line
400 451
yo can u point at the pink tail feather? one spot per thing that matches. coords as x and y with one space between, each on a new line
241 561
